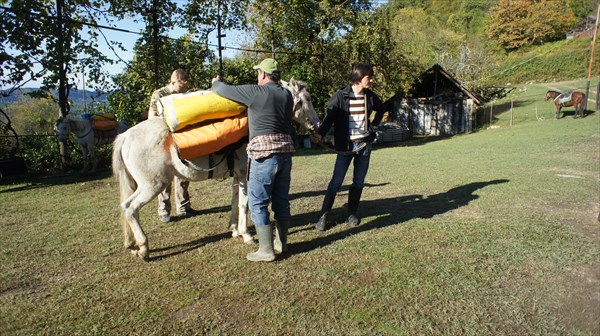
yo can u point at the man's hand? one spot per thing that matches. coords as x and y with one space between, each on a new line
218 78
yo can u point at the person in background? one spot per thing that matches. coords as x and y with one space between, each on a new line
179 84
349 111
270 154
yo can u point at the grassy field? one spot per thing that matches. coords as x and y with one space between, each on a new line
490 233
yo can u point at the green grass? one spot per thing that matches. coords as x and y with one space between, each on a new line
529 105
490 233
553 61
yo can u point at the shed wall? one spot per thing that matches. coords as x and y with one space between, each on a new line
426 117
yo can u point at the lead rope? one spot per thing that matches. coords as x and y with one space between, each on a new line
345 153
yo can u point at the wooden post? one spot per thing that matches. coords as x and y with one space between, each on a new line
511 112
491 112
587 88
598 97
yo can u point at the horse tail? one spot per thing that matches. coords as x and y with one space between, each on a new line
127 184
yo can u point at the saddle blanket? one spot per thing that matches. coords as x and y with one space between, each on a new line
104 124
181 110
565 96
207 139
106 135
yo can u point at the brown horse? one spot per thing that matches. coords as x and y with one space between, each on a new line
577 100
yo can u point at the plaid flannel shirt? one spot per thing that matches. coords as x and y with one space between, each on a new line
262 146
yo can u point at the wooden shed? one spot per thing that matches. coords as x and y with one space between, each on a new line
437 104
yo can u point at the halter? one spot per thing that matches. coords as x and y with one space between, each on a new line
86 134
345 153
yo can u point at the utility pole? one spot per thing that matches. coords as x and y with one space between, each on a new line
272 15
587 87
62 78
155 43
219 37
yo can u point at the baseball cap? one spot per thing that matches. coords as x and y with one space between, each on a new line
268 65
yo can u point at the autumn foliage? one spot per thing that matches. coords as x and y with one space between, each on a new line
518 23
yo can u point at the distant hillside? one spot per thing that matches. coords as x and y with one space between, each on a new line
554 61
76 97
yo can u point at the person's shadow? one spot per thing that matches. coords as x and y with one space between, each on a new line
388 211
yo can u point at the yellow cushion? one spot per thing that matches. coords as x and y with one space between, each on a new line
181 110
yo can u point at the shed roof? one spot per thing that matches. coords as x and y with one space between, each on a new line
436 81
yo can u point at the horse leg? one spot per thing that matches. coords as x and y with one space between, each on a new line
243 211
129 238
238 222
93 158
131 208
558 108
579 109
86 162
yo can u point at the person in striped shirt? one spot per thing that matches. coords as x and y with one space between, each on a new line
349 112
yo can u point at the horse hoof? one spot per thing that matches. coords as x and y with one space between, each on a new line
141 255
248 239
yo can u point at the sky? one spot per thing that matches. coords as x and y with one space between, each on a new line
232 39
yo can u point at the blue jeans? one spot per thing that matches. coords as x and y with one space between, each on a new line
342 162
270 181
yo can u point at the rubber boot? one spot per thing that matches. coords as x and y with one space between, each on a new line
265 244
325 210
281 231
353 200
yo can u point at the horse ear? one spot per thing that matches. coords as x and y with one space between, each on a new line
294 84
284 83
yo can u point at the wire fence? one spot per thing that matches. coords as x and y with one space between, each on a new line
528 107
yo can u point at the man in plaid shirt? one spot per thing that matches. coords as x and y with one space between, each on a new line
270 153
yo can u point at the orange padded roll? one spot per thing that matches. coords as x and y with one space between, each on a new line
207 139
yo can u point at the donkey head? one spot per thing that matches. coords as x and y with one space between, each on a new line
304 111
63 128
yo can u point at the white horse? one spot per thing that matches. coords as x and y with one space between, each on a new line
145 160
87 138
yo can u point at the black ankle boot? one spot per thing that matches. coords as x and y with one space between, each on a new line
353 200
325 210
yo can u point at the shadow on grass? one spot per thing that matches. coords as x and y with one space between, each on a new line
171 251
42 181
321 193
390 211
415 140
568 112
219 209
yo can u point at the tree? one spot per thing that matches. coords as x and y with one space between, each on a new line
136 83
515 24
30 39
471 17
582 8
33 115
303 37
